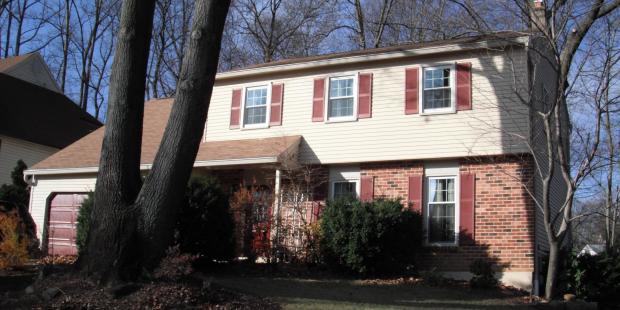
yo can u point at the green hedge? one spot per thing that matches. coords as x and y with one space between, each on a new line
83 222
370 238
205 223
595 278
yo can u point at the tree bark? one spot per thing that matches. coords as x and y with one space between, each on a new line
552 269
164 186
110 251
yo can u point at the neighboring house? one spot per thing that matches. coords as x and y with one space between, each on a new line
36 122
592 249
32 68
440 125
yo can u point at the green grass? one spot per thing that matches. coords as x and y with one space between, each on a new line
294 293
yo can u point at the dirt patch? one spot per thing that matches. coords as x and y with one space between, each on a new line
67 291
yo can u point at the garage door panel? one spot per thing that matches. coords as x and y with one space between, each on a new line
62 223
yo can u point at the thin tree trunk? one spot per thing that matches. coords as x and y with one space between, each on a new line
20 25
359 14
552 269
111 248
164 186
65 45
7 43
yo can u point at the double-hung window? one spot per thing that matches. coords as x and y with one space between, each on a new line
441 210
255 107
438 92
344 182
341 98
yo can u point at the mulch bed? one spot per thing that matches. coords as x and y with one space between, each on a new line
65 290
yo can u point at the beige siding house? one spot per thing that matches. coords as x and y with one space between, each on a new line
397 122
36 119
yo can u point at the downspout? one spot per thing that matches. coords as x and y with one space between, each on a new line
31 181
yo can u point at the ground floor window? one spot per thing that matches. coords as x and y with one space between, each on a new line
344 182
441 207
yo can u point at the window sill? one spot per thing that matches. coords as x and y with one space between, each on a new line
441 245
255 126
341 120
437 112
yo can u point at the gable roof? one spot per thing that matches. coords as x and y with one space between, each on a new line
39 115
10 62
495 39
85 152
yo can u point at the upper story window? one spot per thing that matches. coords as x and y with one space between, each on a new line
438 89
441 210
255 107
341 100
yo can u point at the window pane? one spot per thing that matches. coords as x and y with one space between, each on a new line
340 87
341 107
441 190
255 115
437 98
344 189
441 223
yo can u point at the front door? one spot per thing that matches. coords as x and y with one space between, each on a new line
261 220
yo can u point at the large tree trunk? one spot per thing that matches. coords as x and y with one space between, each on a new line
164 187
132 225
110 252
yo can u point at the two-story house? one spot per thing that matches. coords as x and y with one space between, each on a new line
442 125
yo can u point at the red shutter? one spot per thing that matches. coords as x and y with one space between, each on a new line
467 192
318 100
415 192
463 86
235 108
277 93
367 188
411 90
364 100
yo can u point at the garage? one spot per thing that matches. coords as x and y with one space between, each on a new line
63 212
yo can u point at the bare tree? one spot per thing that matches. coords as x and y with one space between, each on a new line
132 223
558 30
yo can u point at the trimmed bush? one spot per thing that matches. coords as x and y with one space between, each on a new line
83 222
13 248
483 274
595 278
369 238
205 223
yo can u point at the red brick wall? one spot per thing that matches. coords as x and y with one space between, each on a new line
504 213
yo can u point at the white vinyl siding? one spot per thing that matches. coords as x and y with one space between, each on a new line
487 129
12 150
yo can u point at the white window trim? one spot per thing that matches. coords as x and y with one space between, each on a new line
268 105
344 174
339 119
438 171
452 108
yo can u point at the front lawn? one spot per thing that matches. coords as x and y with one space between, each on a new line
299 293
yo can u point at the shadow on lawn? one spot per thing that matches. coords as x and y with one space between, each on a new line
325 293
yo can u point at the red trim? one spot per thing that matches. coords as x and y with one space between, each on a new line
415 192
318 100
235 108
277 93
412 78
364 100
367 188
463 86
467 211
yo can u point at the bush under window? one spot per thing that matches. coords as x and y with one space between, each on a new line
370 238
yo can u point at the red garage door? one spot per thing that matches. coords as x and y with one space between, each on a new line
62 224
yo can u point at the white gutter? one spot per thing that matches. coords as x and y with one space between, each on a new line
203 163
313 64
